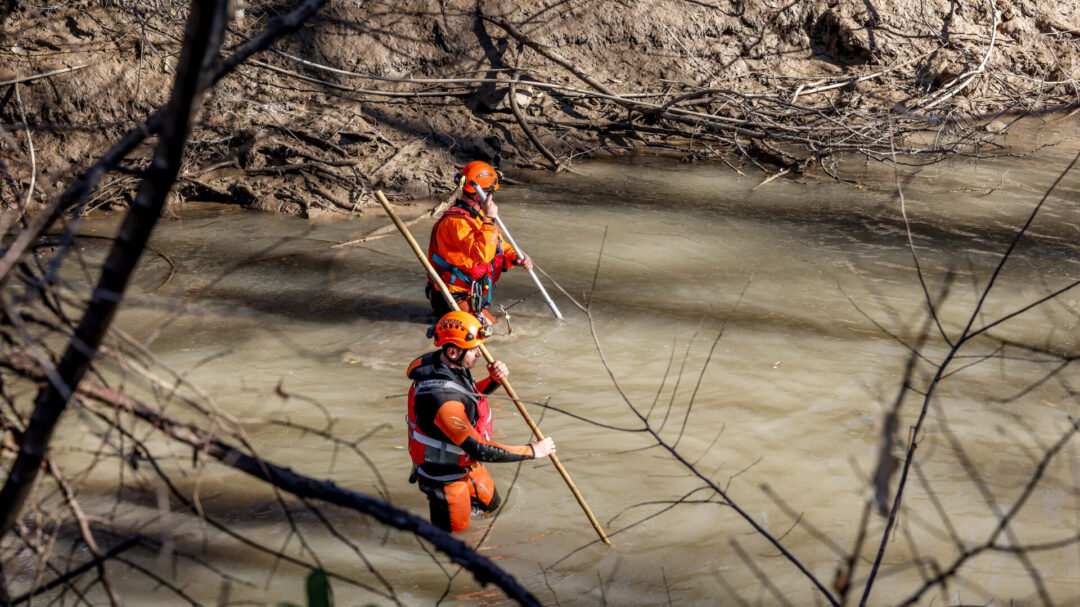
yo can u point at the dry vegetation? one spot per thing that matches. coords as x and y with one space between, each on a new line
396 95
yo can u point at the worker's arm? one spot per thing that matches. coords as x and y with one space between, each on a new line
451 419
497 371
514 258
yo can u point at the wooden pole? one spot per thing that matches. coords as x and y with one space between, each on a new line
490 359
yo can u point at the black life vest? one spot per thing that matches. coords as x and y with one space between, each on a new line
433 385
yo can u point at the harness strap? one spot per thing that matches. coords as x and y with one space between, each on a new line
435 451
455 271
480 290
441 478
428 385
438 444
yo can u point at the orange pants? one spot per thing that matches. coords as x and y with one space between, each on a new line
451 504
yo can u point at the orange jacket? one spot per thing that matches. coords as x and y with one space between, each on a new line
470 242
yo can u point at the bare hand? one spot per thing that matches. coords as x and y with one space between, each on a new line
490 208
525 261
543 448
498 371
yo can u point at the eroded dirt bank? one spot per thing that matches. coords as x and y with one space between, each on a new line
419 86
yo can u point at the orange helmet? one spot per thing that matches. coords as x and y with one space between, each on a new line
480 172
460 329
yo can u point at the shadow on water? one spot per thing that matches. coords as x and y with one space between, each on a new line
332 309
835 213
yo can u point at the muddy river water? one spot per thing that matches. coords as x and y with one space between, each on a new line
763 332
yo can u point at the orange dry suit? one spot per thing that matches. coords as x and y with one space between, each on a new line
467 250
450 422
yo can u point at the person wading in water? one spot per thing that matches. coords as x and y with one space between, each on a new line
466 247
450 425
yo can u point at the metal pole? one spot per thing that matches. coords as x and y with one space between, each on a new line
490 359
502 226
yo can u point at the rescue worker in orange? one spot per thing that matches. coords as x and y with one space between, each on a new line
450 425
466 247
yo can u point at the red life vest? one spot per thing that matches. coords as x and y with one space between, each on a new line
425 449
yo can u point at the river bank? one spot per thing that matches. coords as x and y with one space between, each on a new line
397 95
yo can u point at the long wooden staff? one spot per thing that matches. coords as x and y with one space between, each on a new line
490 359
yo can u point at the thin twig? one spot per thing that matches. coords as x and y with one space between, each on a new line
33 159
45 75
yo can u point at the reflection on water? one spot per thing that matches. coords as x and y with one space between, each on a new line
752 325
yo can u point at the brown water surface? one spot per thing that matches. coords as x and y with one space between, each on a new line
769 310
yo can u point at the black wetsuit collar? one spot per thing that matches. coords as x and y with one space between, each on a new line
468 208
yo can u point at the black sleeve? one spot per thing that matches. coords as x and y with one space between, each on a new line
489 386
483 452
